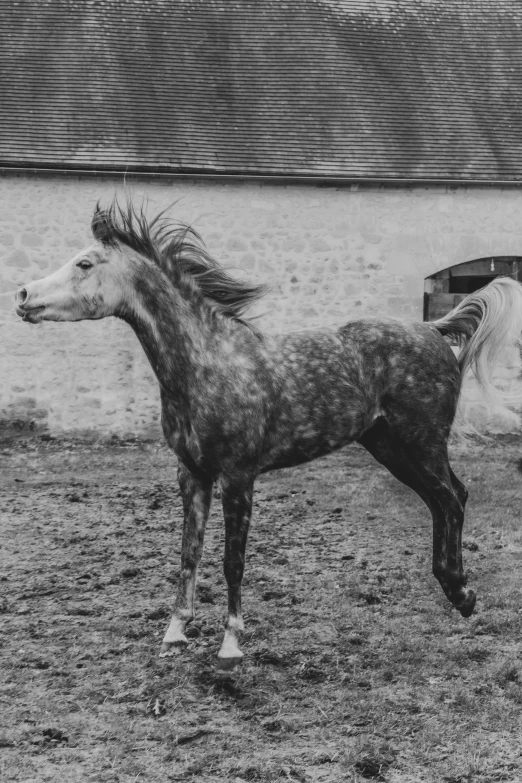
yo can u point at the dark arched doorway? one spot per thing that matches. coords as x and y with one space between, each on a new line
444 290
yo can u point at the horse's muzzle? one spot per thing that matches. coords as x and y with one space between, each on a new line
24 309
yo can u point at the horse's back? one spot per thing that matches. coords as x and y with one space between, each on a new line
402 345
375 351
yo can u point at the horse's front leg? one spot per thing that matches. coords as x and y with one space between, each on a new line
196 492
237 509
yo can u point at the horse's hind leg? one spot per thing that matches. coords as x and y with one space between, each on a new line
425 468
460 489
456 545
196 492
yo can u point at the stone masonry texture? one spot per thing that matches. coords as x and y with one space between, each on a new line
328 254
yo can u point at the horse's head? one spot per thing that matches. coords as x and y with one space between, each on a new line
89 286
132 261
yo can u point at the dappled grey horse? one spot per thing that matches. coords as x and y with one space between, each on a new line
236 403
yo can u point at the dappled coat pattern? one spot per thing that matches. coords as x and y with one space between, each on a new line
236 402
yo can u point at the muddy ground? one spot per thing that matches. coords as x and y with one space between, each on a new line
356 667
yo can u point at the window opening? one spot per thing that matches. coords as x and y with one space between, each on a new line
444 290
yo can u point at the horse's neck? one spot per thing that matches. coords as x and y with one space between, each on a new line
174 332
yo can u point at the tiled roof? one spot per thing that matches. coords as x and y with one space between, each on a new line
413 89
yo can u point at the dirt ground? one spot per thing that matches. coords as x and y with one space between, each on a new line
356 667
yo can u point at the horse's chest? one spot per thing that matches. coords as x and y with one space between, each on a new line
185 443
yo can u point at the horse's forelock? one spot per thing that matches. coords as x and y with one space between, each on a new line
102 226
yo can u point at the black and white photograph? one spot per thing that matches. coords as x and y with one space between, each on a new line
261 391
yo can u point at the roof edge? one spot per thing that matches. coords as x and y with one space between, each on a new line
273 177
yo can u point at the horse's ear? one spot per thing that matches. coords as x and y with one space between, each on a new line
101 226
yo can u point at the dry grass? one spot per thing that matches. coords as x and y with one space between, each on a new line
356 666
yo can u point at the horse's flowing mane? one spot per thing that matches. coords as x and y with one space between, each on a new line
178 251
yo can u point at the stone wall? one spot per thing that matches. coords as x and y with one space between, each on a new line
328 254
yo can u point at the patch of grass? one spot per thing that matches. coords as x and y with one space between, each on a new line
509 672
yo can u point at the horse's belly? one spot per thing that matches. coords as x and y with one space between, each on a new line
287 446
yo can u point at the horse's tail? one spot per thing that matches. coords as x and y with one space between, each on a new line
483 325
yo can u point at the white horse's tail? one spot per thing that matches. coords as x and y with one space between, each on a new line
483 325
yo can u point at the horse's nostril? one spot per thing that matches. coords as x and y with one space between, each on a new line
21 295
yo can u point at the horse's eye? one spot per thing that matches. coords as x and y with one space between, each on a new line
84 264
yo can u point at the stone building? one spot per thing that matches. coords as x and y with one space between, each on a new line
360 156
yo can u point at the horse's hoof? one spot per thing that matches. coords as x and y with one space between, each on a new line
229 655
468 604
226 664
169 649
